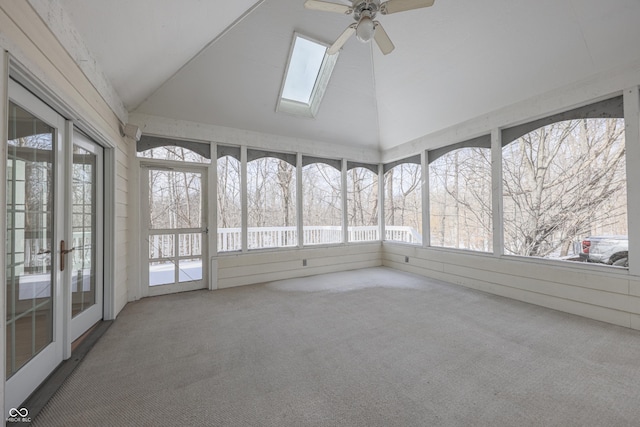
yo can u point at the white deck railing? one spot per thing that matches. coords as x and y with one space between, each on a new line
230 239
182 247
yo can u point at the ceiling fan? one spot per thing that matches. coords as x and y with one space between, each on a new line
364 11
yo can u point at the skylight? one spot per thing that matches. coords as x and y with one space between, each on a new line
306 77
304 66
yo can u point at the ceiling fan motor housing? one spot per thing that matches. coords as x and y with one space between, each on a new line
366 8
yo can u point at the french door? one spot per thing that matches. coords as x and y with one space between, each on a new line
174 200
53 250
85 261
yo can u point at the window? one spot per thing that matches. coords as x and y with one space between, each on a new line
306 77
460 199
271 197
229 200
322 202
403 201
362 203
563 182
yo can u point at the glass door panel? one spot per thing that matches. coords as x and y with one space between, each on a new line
175 228
84 228
33 305
29 280
85 261
54 194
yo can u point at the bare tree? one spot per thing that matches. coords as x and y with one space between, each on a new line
403 203
563 181
460 199
362 195
229 209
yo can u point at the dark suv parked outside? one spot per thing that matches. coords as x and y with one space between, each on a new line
611 250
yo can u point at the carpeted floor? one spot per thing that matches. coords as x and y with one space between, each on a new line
372 347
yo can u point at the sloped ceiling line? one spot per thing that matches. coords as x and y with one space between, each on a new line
454 63
207 46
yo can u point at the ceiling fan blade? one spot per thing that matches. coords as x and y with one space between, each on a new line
326 6
382 39
393 6
337 45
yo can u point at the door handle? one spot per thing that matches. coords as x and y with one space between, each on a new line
63 252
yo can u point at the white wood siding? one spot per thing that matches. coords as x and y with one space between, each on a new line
265 266
592 291
24 34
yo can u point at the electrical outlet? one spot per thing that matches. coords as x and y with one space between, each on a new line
304 262
406 259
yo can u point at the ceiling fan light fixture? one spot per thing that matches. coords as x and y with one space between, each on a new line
364 12
365 30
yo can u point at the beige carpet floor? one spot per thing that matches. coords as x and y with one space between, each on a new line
372 347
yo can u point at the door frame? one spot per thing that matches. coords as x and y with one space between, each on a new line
22 74
36 370
13 70
203 170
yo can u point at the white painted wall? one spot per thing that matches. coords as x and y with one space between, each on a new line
586 290
24 34
597 292
265 266
583 92
59 23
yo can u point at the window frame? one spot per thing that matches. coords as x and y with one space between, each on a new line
482 142
609 108
311 108
420 234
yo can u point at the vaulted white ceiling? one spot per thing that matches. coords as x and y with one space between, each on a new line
453 62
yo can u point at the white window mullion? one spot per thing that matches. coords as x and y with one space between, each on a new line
299 209
381 201
345 211
212 202
426 218
497 201
244 198
632 141
212 221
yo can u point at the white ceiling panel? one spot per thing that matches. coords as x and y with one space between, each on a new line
453 62
141 43
236 81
